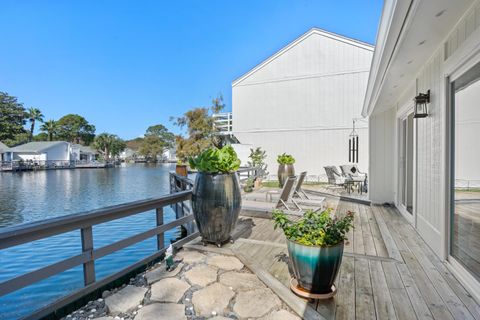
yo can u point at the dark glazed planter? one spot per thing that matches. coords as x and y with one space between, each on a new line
285 171
216 203
315 267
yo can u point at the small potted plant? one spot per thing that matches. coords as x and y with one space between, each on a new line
285 168
315 247
181 168
216 194
257 157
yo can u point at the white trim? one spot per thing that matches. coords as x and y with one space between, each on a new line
310 76
285 49
401 115
464 277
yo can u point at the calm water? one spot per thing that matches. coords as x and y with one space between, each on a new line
33 196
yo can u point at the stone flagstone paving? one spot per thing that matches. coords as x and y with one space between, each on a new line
204 286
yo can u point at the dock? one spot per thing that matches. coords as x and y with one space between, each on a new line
387 272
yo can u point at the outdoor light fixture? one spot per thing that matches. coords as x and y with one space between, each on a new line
421 102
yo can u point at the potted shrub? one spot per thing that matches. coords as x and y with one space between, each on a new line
181 168
315 247
216 195
285 168
257 157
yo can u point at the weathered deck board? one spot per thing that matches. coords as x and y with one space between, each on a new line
388 272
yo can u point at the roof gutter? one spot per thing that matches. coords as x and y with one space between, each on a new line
381 58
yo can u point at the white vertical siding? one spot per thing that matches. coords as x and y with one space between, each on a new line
464 28
382 150
303 102
431 166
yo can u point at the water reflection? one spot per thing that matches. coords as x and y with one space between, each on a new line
33 196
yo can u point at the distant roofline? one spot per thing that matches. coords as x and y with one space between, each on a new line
47 145
314 30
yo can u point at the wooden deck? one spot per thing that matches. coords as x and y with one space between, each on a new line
388 272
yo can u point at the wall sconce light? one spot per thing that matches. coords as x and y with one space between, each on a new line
421 102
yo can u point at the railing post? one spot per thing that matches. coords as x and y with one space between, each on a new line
87 246
160 236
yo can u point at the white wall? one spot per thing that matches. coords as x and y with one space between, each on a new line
382 168
431 161
303 102
59 152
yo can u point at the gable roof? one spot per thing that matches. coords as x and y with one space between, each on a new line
3 148
295 42
36 147
85 149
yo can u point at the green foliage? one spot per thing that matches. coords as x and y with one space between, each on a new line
249 184
109 145
200 129
50 128
12 119
33 115
285 159
315 228
257 157
157 139
160 131
75 128
214 160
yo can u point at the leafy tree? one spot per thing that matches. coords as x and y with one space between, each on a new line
200 128
162 132
152 146
12 119
34 115
75 128
157 139
42 136
134 144
50 128
109 145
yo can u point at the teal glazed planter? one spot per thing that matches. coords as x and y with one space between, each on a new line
315 267
216 204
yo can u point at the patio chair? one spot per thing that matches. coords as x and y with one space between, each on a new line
351 170
334 177
285 201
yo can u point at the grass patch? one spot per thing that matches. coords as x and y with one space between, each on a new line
274 183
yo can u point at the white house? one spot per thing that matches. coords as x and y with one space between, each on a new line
83 153
303 100
5 154
429 167
57 151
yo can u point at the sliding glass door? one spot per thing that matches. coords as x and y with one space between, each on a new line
465 189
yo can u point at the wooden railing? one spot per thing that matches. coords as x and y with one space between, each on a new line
21 234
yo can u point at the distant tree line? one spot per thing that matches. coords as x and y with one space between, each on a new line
14 118
17 126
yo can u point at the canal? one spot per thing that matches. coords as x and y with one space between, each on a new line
34 196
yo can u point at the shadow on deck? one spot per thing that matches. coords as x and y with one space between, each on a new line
388 272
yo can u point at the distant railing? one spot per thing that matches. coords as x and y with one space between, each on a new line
17 235
21 165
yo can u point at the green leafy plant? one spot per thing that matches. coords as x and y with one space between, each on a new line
249 184
257 157
285 159
315 228
180 162
213 160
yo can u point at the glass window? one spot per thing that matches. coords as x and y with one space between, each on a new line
465 232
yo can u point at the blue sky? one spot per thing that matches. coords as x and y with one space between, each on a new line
125 65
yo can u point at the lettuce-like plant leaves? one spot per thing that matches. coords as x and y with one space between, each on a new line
213 160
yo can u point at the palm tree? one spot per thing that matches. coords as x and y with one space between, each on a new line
50 128
108 144
33 115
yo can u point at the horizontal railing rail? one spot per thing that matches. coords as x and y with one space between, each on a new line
21 234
